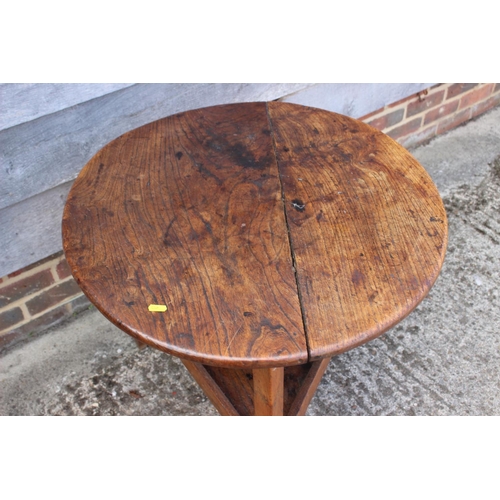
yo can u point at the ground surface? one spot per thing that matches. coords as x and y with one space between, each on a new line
443 359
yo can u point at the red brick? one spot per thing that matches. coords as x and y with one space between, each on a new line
476 95
79 304
401 101
454 121
10 318
364 118
405 129
442 111
459 88
428 101
45 320
484 106
419 137
405 99
8 339
17 273
51 297
33 328
388 120
25 287
63 270
35 264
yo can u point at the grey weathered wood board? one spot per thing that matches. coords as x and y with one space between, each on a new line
31 230
24 102
354 99
42 154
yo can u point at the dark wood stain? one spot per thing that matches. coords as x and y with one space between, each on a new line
198 226
366 190
276 235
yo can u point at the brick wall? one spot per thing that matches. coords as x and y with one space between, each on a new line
420 117
36 297
44 293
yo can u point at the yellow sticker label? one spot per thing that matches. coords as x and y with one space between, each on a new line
157 308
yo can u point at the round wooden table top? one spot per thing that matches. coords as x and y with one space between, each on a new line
275 234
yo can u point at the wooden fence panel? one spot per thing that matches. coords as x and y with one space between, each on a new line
23 102
31 230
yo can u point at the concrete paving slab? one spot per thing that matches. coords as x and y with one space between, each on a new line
462 156
443 359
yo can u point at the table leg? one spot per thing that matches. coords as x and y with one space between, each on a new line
210 387
261 391
308 386
268 385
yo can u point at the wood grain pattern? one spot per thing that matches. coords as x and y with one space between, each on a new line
210 387
237 386
23 102
51 150
305 386
40 157
31 230
233 391
268 391
276 235
187 212
367 225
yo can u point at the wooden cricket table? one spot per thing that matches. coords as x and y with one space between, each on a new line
273 235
